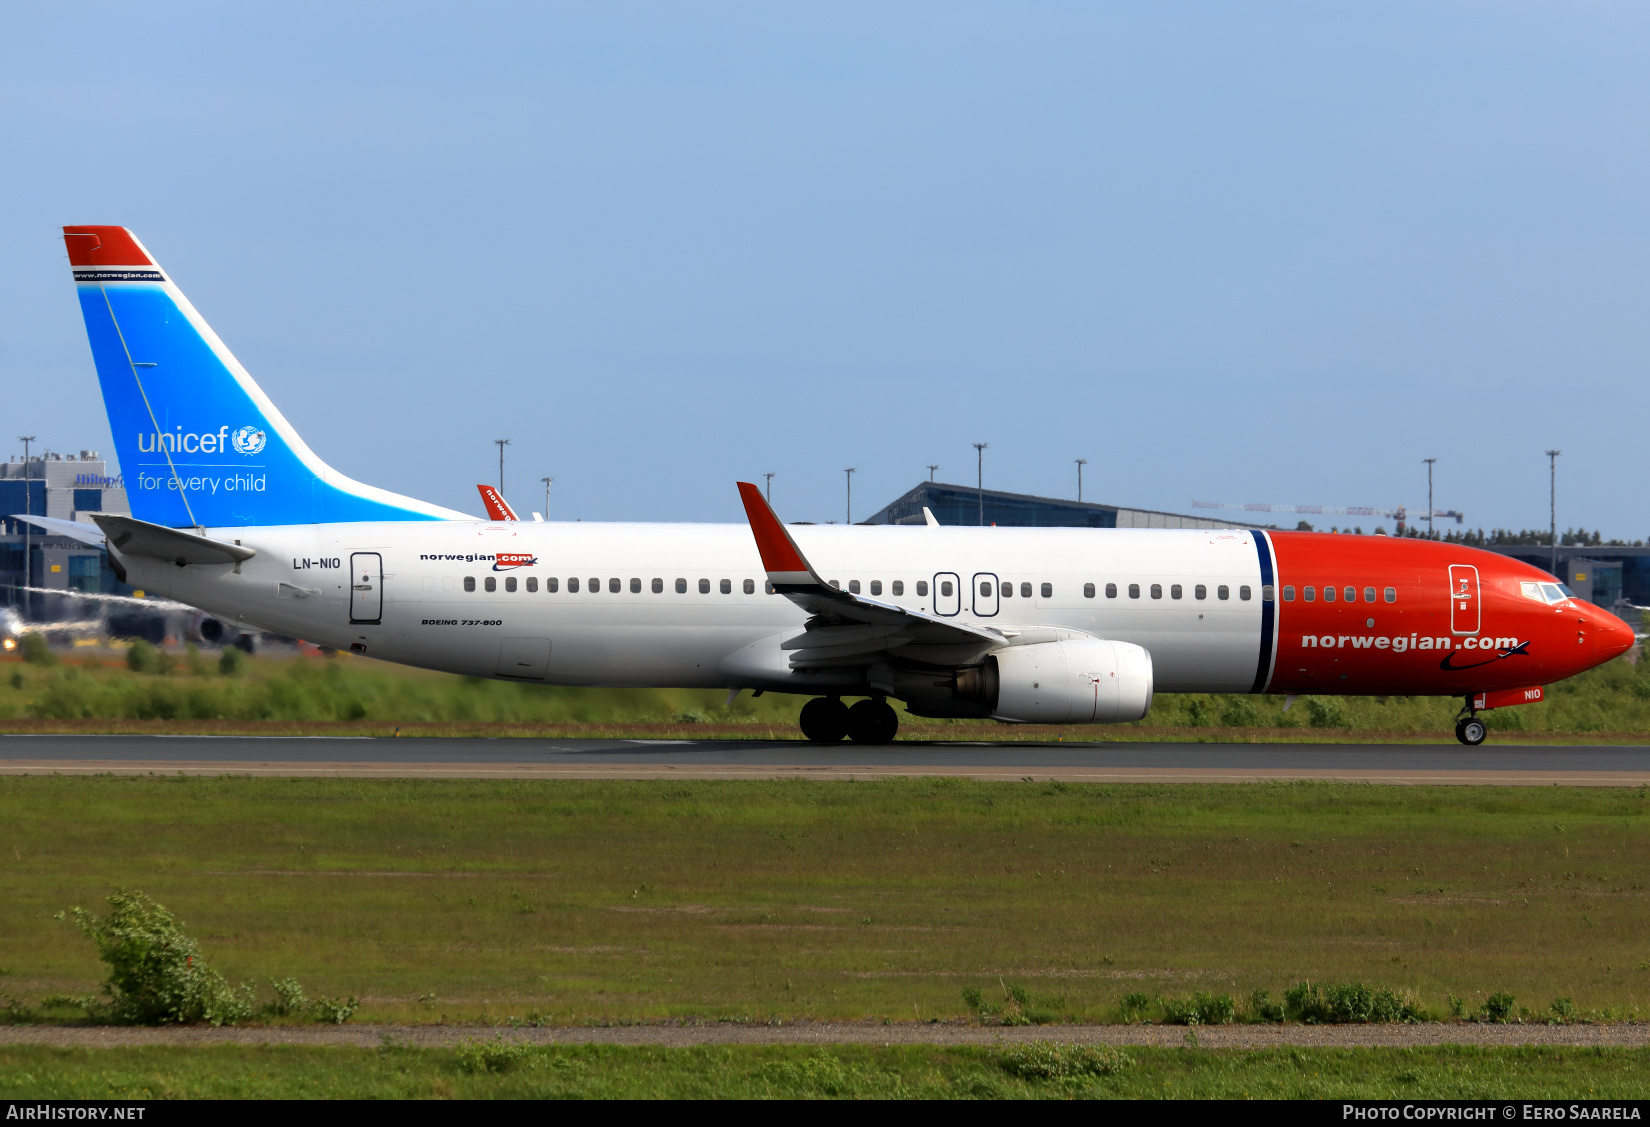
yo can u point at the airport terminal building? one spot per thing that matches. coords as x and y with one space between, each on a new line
66 487
965 504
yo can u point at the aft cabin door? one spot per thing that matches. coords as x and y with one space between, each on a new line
1464 616
366 587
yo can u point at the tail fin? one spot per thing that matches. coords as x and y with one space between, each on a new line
497 507
199 442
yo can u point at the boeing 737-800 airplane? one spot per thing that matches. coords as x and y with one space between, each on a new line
234 514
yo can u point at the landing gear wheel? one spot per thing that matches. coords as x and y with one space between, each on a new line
824 720
872 722
1471 731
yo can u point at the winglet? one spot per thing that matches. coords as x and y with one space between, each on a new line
782 559
497 507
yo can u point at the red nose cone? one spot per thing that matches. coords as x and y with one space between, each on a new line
1614 637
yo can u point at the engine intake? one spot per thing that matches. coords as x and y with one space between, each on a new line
1083 681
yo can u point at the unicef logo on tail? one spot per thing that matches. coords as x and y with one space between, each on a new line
249 440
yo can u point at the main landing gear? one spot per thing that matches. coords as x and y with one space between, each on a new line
825 720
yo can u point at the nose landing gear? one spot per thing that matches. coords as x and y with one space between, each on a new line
825 720
1468 728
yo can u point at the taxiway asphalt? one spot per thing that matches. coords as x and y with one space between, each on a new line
1527 765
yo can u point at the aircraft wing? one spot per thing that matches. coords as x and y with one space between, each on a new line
78 530
848 629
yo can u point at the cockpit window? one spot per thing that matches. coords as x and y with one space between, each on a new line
1550 593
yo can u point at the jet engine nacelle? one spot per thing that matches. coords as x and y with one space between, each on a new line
1082 681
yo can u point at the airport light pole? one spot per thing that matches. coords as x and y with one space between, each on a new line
28 510
931 470
849 473
1081 462
547 481
1430 462
769 476
501 443
1552 507
979 484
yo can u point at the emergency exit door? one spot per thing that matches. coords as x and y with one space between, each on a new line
1464 611
366 588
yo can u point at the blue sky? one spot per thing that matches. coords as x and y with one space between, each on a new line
1265 252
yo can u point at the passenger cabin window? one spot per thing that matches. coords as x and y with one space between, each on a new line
1268 593
1157 590
1200 592
1111 590
1391 594
1134 590
1048 590
704 586
898 586
595 586
853 586
614 586
1243 593
552 585
945 588
1223 592
1329 594
1174 591
532 584
1008 590
681 586
1088 590
1350 594
750 587
510 583
922 587
469 583
876 587
1025 590
635 586
658 586
1369 594
1288 593
1310 594
726 587
491 583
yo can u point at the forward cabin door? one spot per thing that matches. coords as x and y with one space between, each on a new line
1464 611
366 587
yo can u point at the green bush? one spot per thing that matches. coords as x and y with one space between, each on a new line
140 657
231 661
334 1011
1200 1009
1051 1060
156 973
1263 1009
824 1074
36 651
1497 1008
1326 712
1348 1003
1239 712
497 1055
1134 1006
1563 1009
289 998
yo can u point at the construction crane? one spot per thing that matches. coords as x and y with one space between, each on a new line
1399 514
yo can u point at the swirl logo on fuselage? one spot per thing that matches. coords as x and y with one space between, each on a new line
249 441
1520 650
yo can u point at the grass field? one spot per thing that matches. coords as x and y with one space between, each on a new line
359 695
580 902
788 1072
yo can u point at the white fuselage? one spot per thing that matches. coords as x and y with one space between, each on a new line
302 583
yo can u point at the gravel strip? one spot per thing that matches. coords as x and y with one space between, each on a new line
844 1033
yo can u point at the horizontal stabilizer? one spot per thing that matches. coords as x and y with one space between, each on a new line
132 537
78 530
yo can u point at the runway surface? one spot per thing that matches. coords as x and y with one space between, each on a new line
1596 765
